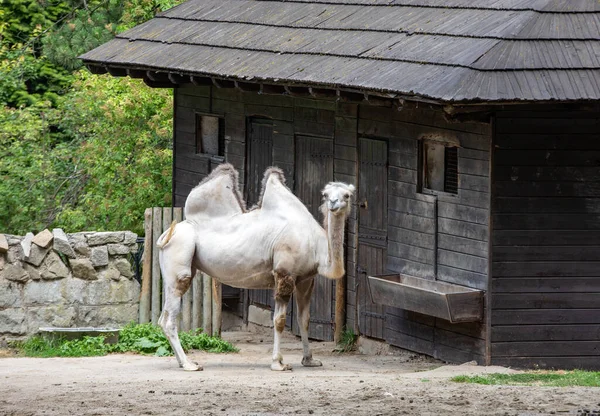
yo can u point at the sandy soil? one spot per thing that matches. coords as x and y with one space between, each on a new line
242 384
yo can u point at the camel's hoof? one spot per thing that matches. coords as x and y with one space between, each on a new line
309 362
192 367
277 366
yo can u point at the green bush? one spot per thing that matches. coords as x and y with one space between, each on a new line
38 346
77 151
95 162
137 338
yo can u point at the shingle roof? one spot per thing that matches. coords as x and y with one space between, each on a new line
446 50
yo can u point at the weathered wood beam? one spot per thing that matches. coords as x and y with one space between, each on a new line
322 92
247 86
223 83
272 89
377 100
295 91
117 72
145 294
158 80
349 96
97 69
200 81
136 73
478 114
177 78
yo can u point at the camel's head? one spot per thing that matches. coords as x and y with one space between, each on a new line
337 198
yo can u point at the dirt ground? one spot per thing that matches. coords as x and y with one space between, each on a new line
242 384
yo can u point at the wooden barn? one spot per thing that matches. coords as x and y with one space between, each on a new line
470 128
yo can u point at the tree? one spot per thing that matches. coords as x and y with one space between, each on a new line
77 150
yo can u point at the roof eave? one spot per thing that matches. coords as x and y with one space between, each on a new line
167 78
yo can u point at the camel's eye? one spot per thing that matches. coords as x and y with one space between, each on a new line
346 196
325 195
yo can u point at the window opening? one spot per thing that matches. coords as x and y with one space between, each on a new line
210 135
439 170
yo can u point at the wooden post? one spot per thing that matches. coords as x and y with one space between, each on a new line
207 304
197 301
156 290
145 294
340 308
186 302
167 217
216 308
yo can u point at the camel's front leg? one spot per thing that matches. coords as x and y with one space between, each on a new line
284 286
303 293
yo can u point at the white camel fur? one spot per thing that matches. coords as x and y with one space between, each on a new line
276 245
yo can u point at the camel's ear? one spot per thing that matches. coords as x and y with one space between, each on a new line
351 188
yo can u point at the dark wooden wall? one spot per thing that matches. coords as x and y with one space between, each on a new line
546 241
188 167
444 237
449 240
318 121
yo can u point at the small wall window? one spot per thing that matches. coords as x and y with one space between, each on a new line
439 167
210 135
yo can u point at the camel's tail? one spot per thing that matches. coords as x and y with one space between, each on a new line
165 237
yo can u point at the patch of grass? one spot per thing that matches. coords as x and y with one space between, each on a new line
347 342
536 378
137 338
38 346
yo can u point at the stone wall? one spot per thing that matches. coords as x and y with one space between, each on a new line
54 279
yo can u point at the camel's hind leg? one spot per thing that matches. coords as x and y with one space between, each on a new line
176 266
284 287
303 293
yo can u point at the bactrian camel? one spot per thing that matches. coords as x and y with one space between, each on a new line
276 245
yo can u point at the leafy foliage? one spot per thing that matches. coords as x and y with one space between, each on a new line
538 378
138 338
136 12
33 165
86 347
123 131
149 339
26 80
40 41
23 20
144 339
85 30
347 341
96 161
77 151
27 77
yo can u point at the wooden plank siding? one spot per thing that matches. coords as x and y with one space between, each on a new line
345 169
276 121
314 166
259 151
546 241
188 167
372 209
444 237
447 234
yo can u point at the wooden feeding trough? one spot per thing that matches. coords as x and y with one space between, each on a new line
430 297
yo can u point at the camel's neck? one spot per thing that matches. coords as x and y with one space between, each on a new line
331 256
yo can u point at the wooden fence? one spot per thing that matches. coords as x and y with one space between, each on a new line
201 305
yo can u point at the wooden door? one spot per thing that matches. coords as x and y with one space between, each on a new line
372 231
260 157
314 169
